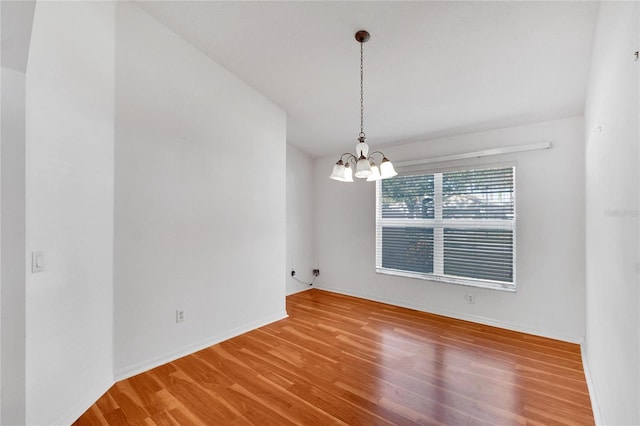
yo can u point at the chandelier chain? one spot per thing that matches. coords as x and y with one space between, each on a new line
361 91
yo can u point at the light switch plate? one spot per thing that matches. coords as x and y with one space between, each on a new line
37 261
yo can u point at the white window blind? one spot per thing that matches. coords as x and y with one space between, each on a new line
456 226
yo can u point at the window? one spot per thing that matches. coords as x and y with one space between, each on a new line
456 226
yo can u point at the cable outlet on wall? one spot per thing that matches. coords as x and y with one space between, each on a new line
180 315
316 272
470 298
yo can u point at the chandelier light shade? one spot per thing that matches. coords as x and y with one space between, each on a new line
386 169
348 174
364 163
375 172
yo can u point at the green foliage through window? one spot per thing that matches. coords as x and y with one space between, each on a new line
456 226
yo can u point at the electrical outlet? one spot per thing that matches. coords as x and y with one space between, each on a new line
316 272
180 315
293 273
470 298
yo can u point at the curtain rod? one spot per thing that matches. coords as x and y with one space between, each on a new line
477 154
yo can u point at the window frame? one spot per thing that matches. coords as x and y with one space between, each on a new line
440 224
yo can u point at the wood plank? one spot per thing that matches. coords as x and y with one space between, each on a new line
339 360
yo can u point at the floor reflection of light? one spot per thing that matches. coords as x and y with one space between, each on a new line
404 355
436 374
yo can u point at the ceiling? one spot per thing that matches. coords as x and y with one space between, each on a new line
431 68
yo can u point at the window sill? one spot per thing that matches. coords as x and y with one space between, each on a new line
470 282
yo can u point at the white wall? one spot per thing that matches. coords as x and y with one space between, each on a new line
12 290
200 199
612 216
550 234
300 217
15 21
69 199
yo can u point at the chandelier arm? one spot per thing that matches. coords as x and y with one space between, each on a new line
377 152
350 156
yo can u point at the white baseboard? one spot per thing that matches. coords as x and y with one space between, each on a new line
141 367
86 403
307 288
593 394
551 334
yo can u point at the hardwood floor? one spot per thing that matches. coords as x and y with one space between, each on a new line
342 360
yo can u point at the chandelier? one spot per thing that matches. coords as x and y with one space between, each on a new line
363 162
